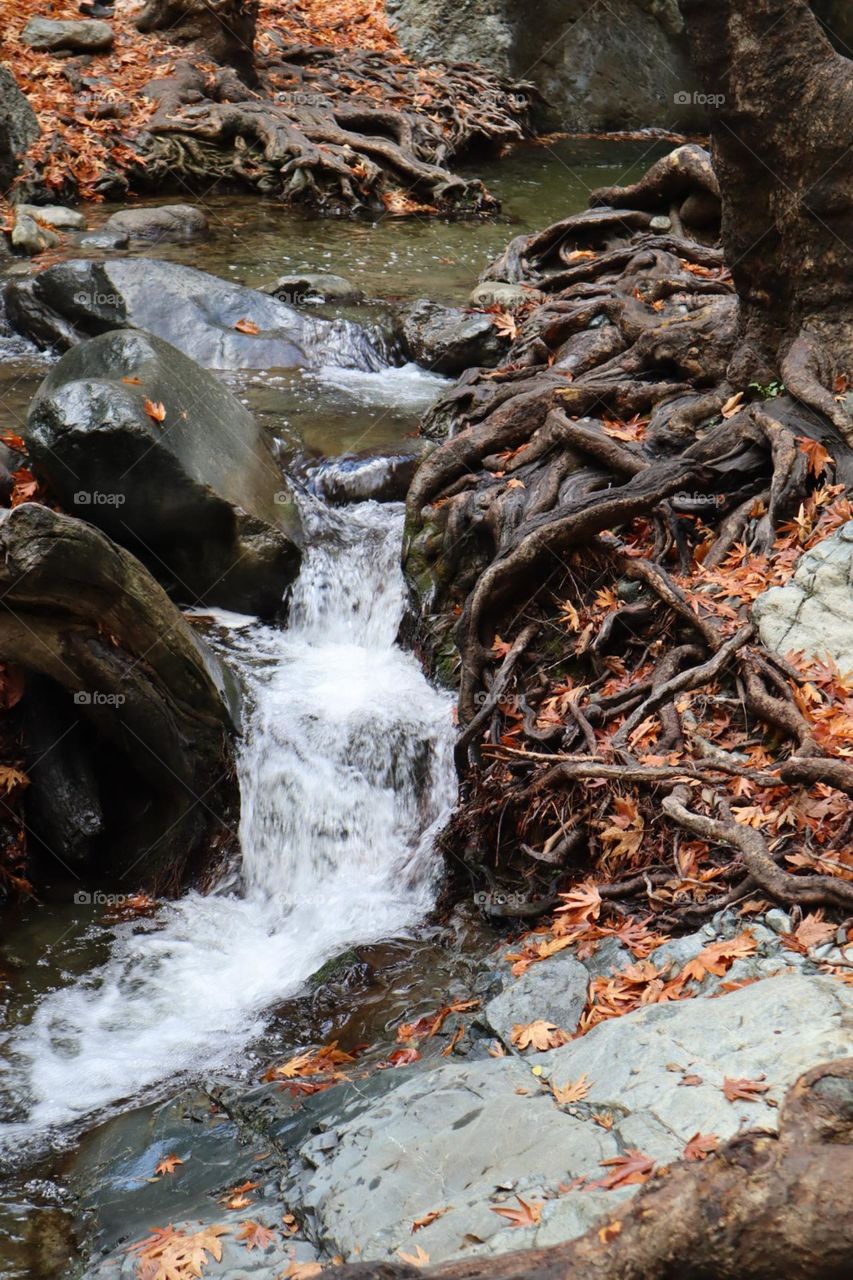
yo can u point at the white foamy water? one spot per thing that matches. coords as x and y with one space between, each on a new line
346 767
406 386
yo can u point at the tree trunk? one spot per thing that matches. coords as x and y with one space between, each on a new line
223 30
765 1205
781 101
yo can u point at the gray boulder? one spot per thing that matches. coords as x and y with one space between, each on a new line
195 312
57 216
314 286
28 237
154 726
470 1137
554 990
171 222
812 613
448 340
49 35
19 127
198 496
620 65
495 293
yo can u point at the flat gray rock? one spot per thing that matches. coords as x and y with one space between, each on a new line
48 35
161 223
54 215
812 613
468 1138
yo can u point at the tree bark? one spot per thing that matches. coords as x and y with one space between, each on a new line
223 30
781 100
765 1205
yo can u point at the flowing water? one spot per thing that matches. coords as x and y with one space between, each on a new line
345 769
346 766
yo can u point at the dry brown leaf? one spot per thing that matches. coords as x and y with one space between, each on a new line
748 1090
574 1091
418 1259
155 410
540 1035
167 1165
433 1216
700 1146
628 1170
254 1235
246 326
526 1216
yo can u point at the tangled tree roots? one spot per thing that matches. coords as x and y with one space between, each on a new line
589 540
763 1205
340 130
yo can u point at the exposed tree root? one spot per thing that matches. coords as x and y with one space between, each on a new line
586 543
763 1205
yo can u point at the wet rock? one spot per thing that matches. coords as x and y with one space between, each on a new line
812 612
28 237
106 240
57 216
449 340
171 222
198 496
554 990
63 807
314 286
84 613
19 127
48 35
474 1135
495 293
196 312
376 478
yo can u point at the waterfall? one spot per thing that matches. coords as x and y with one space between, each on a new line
345 771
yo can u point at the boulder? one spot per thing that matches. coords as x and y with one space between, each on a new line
49 35
170 222
811 613
28 237
102 239
85 615
495 293
360 478
621 65
198 313
469 1137
198 496
314 286
555 991
57 216
449 340
19 127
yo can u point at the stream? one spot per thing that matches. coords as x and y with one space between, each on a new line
346 762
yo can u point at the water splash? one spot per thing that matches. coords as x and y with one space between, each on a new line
347 765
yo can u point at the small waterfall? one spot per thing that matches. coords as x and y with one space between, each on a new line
346 769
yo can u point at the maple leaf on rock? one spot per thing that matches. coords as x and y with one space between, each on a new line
527 1215
574 1091
168 1165
418 1259
156 410
169 1253
433 1216
539 1035
254 1235
246 326
700 1146
628 1170
748 1090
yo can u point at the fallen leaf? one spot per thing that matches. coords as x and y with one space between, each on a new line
133 382
418 1259
246 326
539 1035
628 1170
157 412
609 1232
690 1080
700 1146
167 1165
574 1091
254 1235
169 1253
420 1223
527 1216
748 1090
303 1271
